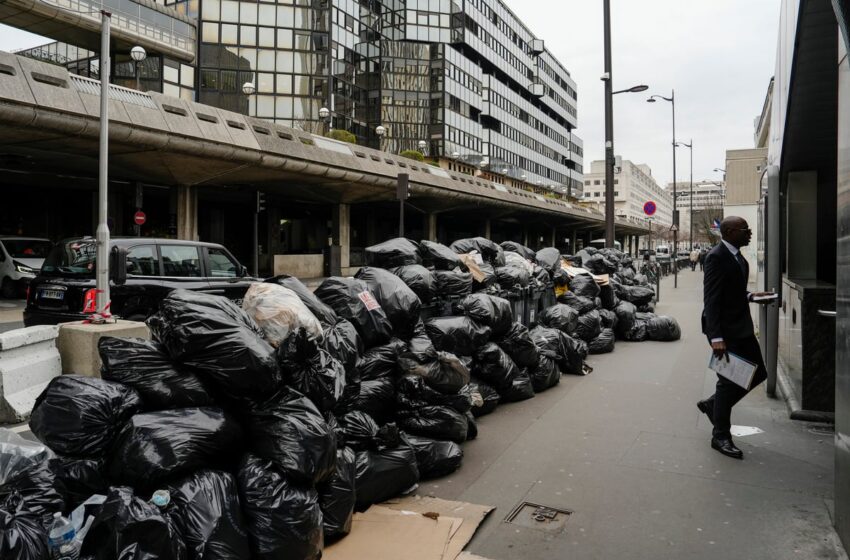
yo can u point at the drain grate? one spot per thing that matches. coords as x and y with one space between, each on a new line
537 516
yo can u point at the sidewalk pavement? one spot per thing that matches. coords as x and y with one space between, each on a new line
626 450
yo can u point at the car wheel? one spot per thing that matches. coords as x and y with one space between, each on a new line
7 289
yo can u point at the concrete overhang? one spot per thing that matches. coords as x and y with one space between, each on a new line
49 119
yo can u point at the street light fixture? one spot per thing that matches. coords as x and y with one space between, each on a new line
325 117
423 147
675 228
138 54
691 211
380 132
248 88
633 89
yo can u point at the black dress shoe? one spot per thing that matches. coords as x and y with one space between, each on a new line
726 447
706 408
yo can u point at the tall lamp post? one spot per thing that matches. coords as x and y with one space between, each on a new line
325 115
380 132
138 54
675 228
607 77
102 234
248 88
691 192
423 147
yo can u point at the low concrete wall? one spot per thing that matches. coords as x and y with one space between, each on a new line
29 359
302 266
78 343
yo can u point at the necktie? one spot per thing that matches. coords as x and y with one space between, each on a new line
742 263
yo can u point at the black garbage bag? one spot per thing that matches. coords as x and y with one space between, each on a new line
494 366
489 398
446 374
602 344
399 302
343 343
420 347
449 283
80 416
637 333
458 335
599 264
395 252
310 370
419 279
129 527
145 366
413 392
435 458
560 316
520 389
352 300
638 295
647 308
512 276
489 282
385 474
359 431
541 275
609 318
79 479
520 249
589 326
439 256
214 336
205 509
644 316
291 432
381 361
626 316
438 422
561 277
575 351
490 251
584 285
156 446
607 296
338 495
663 328
549 258
471 426
491 311
545 375
322 312
579 303
377 398
519 345
23 535
34 481
283 517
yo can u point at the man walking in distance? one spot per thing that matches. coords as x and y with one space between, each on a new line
727 323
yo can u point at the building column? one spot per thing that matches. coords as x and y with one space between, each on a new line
525 236
573 242
431 226
487 230
341 232
554 237
187 213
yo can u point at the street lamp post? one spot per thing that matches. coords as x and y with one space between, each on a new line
138 54
102 234
423 147
325 115
248 88
380 132
691 210
672 101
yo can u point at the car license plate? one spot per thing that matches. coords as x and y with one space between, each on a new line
52 294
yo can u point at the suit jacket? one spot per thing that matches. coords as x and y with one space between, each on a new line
726 309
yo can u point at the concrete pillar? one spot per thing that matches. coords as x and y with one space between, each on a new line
431 226
487 230
525 237
187 213
341 232
574 242
554 238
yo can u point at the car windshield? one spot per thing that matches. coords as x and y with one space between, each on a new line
71 258
27 248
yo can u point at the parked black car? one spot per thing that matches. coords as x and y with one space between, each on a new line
142 272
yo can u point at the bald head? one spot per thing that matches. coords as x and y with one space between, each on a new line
735 231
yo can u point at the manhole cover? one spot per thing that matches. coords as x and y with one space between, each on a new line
536 516
827 430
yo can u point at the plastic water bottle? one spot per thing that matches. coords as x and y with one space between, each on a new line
161 498
61 539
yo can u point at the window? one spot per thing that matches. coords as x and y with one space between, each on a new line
142 261
221 265
596 182
181 261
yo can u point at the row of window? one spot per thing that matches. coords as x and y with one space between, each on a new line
511 108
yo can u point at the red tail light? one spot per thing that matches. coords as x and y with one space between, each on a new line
90 301
28 292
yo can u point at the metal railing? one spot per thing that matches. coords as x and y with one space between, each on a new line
125 95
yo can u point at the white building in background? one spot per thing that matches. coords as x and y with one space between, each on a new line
709 198
634 186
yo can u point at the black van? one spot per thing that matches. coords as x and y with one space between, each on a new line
142 272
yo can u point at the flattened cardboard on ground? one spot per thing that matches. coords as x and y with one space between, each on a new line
472 515
387 534
470 556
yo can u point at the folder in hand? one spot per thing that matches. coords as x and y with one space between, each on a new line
735 369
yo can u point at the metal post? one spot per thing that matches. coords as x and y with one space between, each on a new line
609 131
691 211
102 278
401 218
257 240
675 216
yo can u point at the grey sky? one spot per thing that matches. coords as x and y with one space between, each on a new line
718 54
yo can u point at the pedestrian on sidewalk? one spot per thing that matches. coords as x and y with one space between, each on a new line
694 258
727 323
702 254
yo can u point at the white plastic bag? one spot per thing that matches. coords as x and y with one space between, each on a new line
18 454
279 311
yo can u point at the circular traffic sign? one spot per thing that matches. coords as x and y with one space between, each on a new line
649 208
140 218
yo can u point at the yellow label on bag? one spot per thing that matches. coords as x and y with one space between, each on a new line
561 290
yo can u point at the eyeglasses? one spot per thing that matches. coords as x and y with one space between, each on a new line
742 229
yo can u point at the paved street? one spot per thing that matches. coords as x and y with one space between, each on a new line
628 452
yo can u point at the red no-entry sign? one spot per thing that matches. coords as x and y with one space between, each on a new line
649 208
139 217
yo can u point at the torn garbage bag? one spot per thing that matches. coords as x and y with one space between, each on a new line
419 279
458 335
156 446
80 416
395 252
145 366
352 300
439 256
435 458
320 311
338 495
283 518
449 283
278 311
385 474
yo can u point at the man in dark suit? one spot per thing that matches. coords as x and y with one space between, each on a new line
727 323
